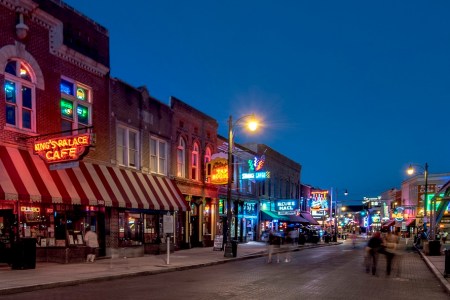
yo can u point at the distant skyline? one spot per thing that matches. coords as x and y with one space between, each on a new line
354 91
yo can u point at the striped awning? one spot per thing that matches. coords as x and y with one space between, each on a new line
25 176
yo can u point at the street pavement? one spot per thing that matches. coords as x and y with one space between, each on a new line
50 275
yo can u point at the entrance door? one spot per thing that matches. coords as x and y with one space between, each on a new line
195 237
6 234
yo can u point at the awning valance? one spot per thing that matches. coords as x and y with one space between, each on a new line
309 218
298 219
25 176
388 223
268 215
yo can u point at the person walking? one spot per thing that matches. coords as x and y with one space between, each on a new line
91 240
274 242
373 246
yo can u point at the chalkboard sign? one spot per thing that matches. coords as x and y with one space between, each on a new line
218 243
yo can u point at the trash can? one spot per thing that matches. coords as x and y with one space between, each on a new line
434 248
234 244
24 254
327 239
447 263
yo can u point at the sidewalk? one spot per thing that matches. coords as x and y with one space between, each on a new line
437 266
48 275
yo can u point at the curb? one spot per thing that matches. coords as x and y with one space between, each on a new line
31 288
435 271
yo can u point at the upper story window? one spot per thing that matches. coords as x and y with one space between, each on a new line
207 155
195 163
127 147
76 107
181 158
158 156
20 96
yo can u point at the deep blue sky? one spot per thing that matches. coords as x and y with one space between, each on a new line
354 91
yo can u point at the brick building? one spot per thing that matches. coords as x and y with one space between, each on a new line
54 69
78 149
194 141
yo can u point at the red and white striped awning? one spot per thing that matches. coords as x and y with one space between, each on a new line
25 176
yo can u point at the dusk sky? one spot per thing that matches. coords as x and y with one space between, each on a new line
354 91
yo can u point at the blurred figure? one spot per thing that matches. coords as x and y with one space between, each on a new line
91 240
444 237
271 245
389 250
353 240
374 245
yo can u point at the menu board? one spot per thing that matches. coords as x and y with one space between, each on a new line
218 243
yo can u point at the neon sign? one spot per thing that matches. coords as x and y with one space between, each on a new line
256 175
218 171
398 214
63 149
257 163
28 209
286 205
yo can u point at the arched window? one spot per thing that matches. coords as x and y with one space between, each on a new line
207 155
181 158
195 163
20 96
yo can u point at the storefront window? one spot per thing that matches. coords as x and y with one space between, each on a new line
57 225
130 229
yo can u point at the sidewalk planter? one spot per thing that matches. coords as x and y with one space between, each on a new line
434 248
24 254
447 263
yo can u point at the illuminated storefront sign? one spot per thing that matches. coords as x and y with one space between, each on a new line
398 214
286 205
64 148
217 171
376 219
318 201
28 209
256 175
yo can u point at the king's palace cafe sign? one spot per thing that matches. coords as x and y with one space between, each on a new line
63 149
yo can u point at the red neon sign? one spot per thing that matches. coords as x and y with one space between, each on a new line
64 148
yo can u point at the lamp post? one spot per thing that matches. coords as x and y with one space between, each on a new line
411 171
252 125
335 211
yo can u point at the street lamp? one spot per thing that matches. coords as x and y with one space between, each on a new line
252 125
335 211
411 171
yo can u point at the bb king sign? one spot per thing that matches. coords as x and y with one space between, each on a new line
63 149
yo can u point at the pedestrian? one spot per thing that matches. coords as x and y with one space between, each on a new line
274 242
373 246
389 248
91 240
444 237
354 240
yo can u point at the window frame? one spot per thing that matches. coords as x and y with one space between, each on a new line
195 155
19 83
76 126
159 160
127 150
181 158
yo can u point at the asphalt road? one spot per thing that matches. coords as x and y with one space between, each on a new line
322 273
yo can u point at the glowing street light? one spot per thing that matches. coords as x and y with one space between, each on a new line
252 125
335 212
411 171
